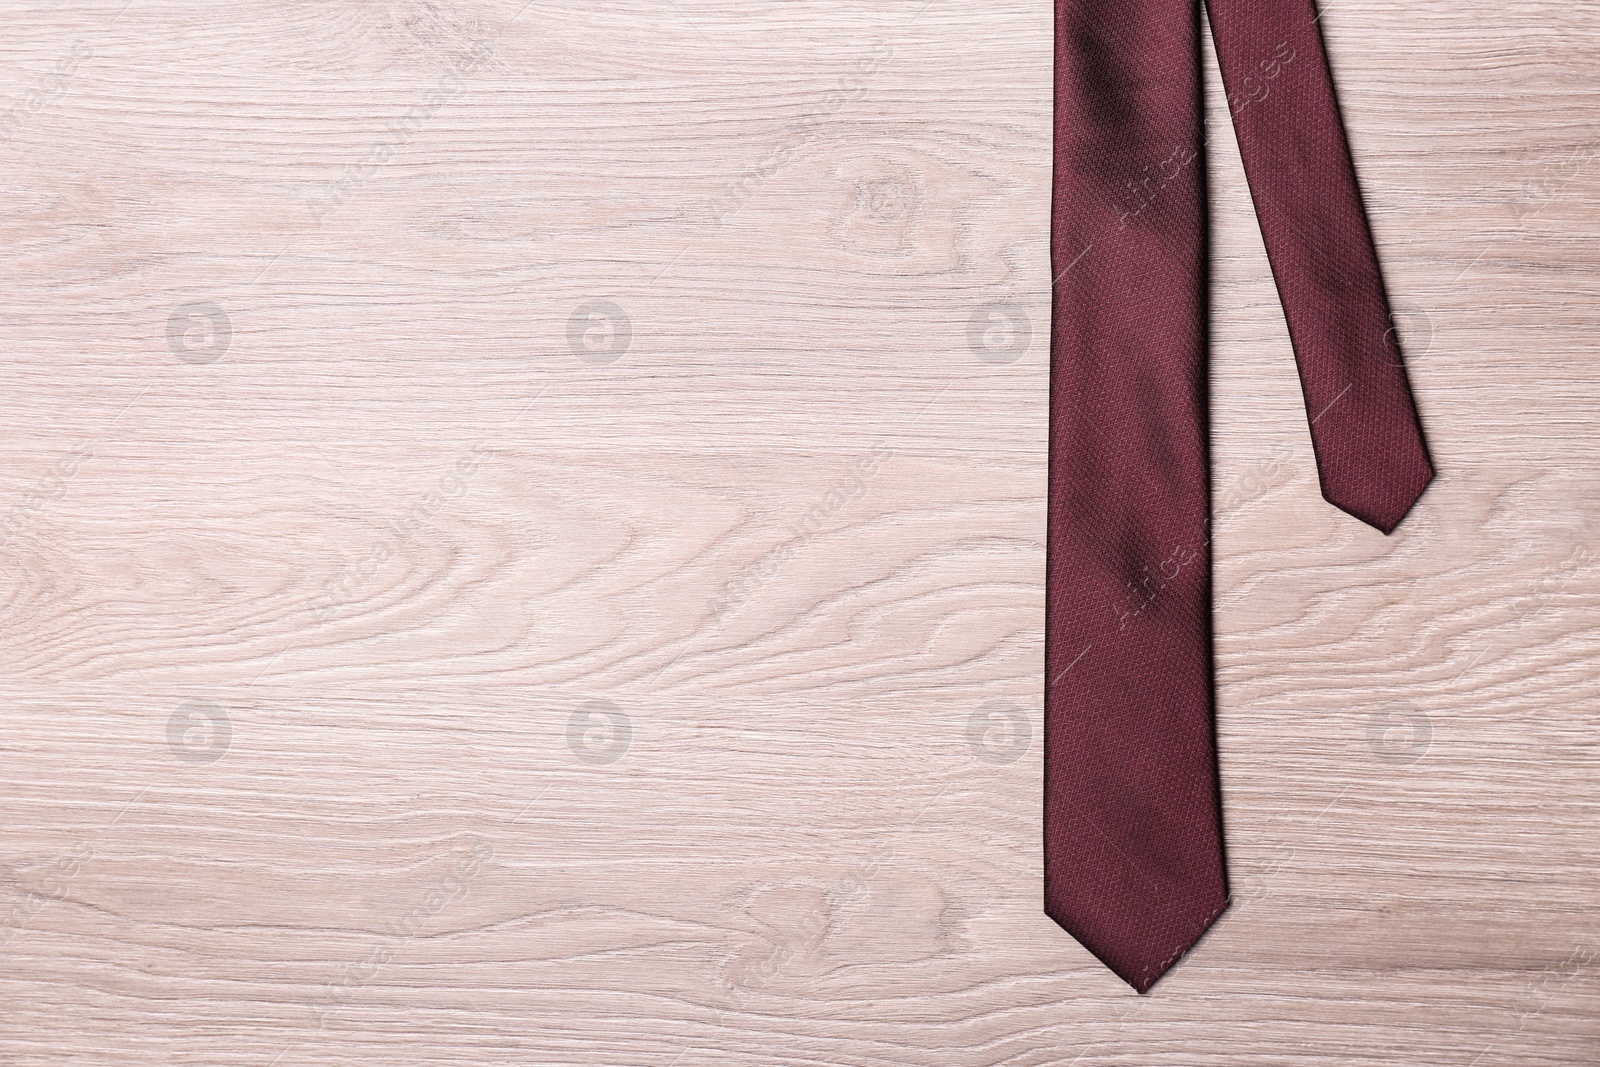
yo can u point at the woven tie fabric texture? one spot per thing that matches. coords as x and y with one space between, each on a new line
1133 858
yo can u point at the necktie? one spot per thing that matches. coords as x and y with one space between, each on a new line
1132 823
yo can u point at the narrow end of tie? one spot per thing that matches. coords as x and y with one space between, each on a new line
1141 956
1149 974
1382 504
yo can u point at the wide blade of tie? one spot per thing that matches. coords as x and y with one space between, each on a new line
1132 824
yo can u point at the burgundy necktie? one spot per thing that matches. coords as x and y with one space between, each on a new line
1132 822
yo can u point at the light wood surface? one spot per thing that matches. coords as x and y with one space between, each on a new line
522 540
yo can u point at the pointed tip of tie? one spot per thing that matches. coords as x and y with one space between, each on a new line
1141 960
1148 975
1382 506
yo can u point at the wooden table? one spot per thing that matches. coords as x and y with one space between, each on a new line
523 543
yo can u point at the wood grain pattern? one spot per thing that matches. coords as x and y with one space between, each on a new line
522 539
